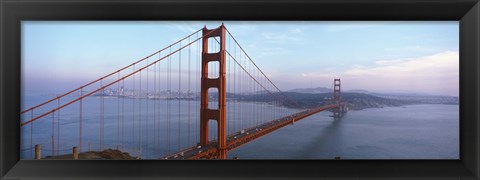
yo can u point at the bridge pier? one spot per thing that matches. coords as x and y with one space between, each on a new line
222 154
38 152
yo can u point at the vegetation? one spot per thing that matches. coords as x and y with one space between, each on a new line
355 101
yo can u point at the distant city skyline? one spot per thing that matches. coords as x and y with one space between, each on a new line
395 56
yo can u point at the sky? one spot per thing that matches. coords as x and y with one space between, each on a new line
378 56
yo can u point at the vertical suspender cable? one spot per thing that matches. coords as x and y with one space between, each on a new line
160 103
146 120
140 114
53 135
188 93
179 91
80 123
31 137
197 67
123 114
118 109
229 129
154 108
134 96
58 127
169 99
240 92
100 113
235 92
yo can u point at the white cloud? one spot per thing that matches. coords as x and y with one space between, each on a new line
414 48
296 30
280 37
346 27
445 62
316 75
288 36
270 51
433 74
187 27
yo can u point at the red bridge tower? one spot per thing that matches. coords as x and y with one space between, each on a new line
220 114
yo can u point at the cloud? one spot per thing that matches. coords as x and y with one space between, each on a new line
185 26
296 30
288 36
414 48
346 27
270 51
433 74
280 37
445 62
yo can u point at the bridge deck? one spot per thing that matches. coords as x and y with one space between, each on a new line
245 136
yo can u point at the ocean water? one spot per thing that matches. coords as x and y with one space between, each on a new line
409 132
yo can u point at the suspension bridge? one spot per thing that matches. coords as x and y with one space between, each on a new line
197 98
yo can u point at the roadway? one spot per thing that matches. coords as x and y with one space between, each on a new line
244 136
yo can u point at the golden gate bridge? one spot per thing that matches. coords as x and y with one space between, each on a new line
185 101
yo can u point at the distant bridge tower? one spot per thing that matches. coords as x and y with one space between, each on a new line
336 98
219 114
341 108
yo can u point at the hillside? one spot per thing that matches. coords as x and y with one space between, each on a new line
355 101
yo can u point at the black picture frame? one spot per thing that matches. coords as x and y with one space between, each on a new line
467 12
